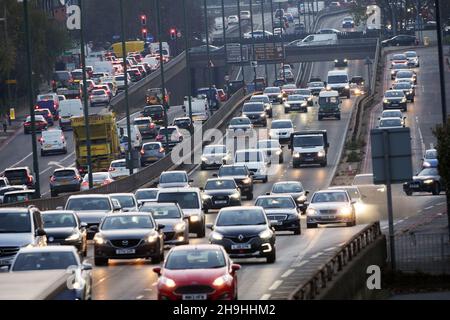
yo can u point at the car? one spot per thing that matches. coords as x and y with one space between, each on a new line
393 113
40 124
244 232
219 193
395 99
274 93
330 207
272 149
340 63
245 15
281 130
288 89
91 208
19 176
21 227
136 138
215 155
156 112
406 74
427 180
266 100
307 93
128 236
255 161
279 13
241 175
64 228
355 195
174 179
7 189
99 96
289 17
128 201
296 102
328 31
99 179
233 19
64 258
399 58
256 112
4 182
144 195
65 180
189 200
430 159
295 190
390 123
413 59
47 114
146 126
281 211
208 266
52 141
152 152
19 196
176 226
240 126
61 79
183 123
348 22
408 89
398 67
316 87
118 169
334 5
174 136
401 40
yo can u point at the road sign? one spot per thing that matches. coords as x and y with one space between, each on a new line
273 52
234 53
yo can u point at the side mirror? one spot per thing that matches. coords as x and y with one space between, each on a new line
267 193
40 232
210 226
161 226
306 193
215 175
191 180
157 270
83 225
86 266
94 229
235 267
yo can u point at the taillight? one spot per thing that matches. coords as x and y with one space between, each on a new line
52 179
30 179
159 137
41 140
161 150
85 184
112 169
62 138
142 152
152 125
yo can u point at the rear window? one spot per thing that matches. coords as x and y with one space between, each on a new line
15 173
151 146
98 92
250 156
253 107
119 164
64 173
141 122
88 204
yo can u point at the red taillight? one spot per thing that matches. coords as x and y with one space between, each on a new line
52 179
85 184
158 137
30 179
142 152
161 150
36 107
63 139
41 140
152 125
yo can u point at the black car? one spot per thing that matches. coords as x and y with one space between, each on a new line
256 112
244 232
282 212
394 99
408 89
156 112
65 228
128 236
400 40
241 175
427 180
220 193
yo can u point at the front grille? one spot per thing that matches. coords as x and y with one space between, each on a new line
254 170
309 155
278 217
236 239
8 251
328 211
169 235
194 289
125 243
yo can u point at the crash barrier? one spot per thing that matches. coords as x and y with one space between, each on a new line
366 248
153 171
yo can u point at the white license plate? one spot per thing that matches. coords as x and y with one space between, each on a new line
241 246
47 146
194 296
414 186
125 251
276 222
221 202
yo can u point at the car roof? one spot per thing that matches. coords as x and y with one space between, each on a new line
122 194
288 182
49 249
240 208
159 204
92 196
203 246
220 179
174 171
58 212
13 209
17 168
274 196
20 192
281 120
178 190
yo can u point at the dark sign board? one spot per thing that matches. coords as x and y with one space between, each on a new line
271 52
234 53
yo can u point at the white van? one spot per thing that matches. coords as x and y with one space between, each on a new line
154 50
255 161
52 141
218 23
339 80
136 137
67 109
318 39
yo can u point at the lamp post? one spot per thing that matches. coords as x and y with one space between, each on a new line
224 37
282 41
271 15
368 62
208 54
188 62
37 187
253 43
264 32
127 106
441 62
240 40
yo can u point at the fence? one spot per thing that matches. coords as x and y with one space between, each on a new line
424 253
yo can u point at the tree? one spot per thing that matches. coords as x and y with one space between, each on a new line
442 134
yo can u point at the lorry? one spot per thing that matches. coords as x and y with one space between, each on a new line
329 105
71 91
154 50
199 106
130 46
309 147
105 145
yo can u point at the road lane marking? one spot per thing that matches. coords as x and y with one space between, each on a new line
287 273
139 297
20 161
298 265
275 285
42 172
428 208
330 249
318 254
440 203
101 280
265 297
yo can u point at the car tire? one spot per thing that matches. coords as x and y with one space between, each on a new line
436 189
249 196
319 118
281 159
42 153
408 193
201 233
311 225
202 167
100 261
338 117
156 259
272 257
298 231
265 179
286 110
323 164
348 96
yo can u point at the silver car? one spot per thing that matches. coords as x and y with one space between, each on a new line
174 179
127 201
215 155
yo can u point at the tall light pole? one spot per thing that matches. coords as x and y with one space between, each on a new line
125 72
208 54
441 62
271 15
188 62
253 42
264 33
37 187
282 42
224 33
240 40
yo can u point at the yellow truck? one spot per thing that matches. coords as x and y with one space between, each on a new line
105 145
130 46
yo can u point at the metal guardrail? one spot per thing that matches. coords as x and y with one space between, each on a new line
325 274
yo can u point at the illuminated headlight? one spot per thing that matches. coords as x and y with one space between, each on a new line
428 181
152 238
179 227
167 282
235 196
311 212
403 100
296 155
194 218
347 86
280 96
262 115
98 239
386 101
206 197
279 152
392 72
345 60
309 98
216 236
73 237
328 88
345 211
246 181
220 281
336 61
321 153
266 234
204 159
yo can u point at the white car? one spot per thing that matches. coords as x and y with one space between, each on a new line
296 102
257 34
215 155
174 179
272 149
390 123
99 96
53 141
413 59
393 113
240 126
233 19
281 130
99 179
118 169
245 15
255 161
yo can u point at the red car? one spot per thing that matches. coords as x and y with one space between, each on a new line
40 123
197 272
222 95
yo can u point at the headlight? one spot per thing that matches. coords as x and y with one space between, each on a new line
167 282
152 238
98 239
279 152
266 234
403 100
345 211
235 196
385 101
347 86
73 237
220 281
296 155
204 159
262 115
321 153
206 197
336 61
216 236
392 72
302 198
426 164
345 60
179 227
328 88
194 218
311 212
428 181
246 181
280 96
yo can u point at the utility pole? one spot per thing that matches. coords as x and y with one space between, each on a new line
240 40
188 62
272 17
264 32
208 54
253 42
282 43
441 62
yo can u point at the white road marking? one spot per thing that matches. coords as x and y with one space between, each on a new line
440 203
55 164
43 171
428 208
275 285
420 135
265 297
318 254
287 273
139 297
298 265
26 157
330 249
101 280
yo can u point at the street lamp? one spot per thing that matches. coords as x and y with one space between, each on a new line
240 39
188 62
253 44
224 40
264 32
273 24
208 54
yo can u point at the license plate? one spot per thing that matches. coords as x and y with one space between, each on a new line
221 201
329 217
276 222
194 296
414 186
241 246
125 251
152 158
47 146
309 159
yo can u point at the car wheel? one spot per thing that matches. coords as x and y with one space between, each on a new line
265 180
249 196
408 192
272 257
42 153
53 194
311 225
201 233
320 118
338 117
436 189
100 261
323 164
156 259
202 167
298 231
281 159
412 100
205 210
286 110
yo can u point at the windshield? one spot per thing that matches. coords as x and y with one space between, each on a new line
126 201
241 217
151 146
264 99
268 144
173 177
337 79
404 74
232 171
281 124
141 122
253 107
88 204
303 92
239 121
146 194
186 200
98 92
127 222
429 172
13 222
328 100
195 259
59 220
30 261
390 122
402 85
392 114
307 142
394 94
287 188
156 109
215 150
399 57
272 90
273 203
220 185
248 156
411 54
296 97
162 212
431 154
331 196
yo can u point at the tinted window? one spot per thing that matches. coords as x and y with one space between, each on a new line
337 79
287 188
254 107
162 212
11 174
146 194
296 97
59 220
431 154
249 156
240 217
127 222
186 200
272 90
169 131
239 121
195 259
305 142
429 172
88 204
390 123
152 146
125 201
44 261
119 164
394 94
173 177
329 197
15 222
232 171
220 185
272 203
260 99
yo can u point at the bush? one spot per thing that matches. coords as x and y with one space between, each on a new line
353 157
